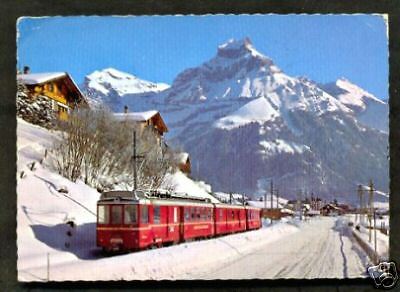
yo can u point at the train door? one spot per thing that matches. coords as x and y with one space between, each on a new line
175 223
145 236
181 223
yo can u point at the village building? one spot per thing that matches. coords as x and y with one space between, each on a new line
331 210
58 87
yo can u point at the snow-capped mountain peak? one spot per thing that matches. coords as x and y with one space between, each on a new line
350 94
234 48
110 80
370 110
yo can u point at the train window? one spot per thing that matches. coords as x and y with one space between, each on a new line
144 216
187 214
156 214
130 215
175 215
198 213
233 214
103 215
116 214
192 213
220 213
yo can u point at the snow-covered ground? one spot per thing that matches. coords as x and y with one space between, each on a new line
183 261
49 248
382 240
324 248
43 212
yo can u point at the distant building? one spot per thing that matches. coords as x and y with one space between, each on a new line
331 209
58 87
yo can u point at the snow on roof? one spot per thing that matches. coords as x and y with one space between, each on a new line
182 157
136 116
37 78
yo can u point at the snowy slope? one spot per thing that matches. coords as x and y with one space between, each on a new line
369 110
43 212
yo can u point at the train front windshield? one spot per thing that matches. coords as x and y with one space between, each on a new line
117 214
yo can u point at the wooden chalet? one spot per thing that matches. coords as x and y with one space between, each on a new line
151 119
58 87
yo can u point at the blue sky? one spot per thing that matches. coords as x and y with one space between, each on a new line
157 48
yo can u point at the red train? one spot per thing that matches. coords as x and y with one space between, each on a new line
128 221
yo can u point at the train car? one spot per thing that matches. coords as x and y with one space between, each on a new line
128 221
229 218
142 219
253 218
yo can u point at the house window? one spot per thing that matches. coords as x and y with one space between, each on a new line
50 87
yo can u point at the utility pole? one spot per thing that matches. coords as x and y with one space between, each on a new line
371 207
135 158
265 199
277 198
360 210
376 254
272 193
299 204
134 162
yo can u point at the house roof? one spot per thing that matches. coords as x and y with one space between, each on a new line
182 157
136 116
40 78
143 117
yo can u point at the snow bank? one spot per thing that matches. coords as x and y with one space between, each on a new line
180 183
362 236
182 261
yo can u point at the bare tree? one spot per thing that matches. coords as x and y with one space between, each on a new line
99 149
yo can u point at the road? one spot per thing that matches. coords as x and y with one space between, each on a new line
323 249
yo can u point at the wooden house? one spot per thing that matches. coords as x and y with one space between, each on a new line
58 87
151 119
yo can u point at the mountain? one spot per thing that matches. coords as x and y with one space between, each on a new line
369 110
245 122
117 89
